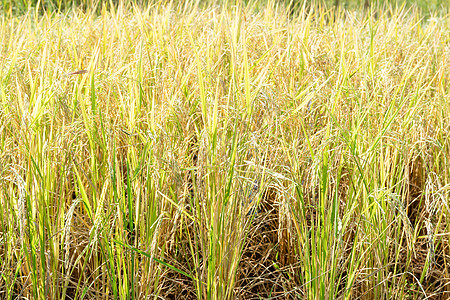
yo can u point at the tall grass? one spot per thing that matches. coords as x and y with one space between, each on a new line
224 152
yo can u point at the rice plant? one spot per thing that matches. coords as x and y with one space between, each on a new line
238 150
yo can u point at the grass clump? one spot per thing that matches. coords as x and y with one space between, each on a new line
224 152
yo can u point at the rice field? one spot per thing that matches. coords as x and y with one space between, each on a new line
237 150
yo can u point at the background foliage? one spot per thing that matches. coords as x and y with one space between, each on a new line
427 6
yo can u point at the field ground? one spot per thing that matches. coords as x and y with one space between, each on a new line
177 151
